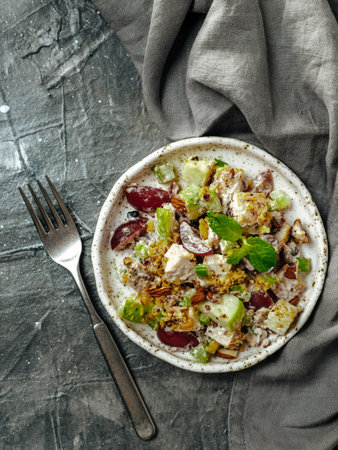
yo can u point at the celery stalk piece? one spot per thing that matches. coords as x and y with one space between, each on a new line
186 301
142 249
165 173
228 313
278 200
304 264
134 311
201 270
200 354
163 224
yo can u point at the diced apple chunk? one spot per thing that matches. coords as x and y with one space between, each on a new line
228 312
251 210
280 317
226 353
197 171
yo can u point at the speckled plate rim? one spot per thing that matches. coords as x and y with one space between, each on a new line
215 366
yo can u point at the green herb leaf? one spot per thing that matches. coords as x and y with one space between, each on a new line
261 254
237 255
201 270
303 264
271 279
220 163
224 226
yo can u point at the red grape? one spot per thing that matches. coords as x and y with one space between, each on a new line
126 232
146 198
192 242
260 300
173 338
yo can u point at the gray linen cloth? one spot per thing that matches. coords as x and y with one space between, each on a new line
205 67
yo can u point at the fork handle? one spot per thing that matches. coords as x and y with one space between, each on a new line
137 409
138 412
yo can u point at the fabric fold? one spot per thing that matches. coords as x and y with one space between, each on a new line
221 67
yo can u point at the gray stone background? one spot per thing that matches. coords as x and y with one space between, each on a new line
77 114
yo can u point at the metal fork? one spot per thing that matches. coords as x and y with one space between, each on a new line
64 246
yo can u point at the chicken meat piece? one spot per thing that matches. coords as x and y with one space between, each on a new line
256 337
263 182
291 252
283 235
227 181
298 232
289 286
251 211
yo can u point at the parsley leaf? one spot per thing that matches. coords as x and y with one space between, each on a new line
224 226
261 254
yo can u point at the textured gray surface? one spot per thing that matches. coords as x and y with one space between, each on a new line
76 113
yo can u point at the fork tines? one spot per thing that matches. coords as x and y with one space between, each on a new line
56 216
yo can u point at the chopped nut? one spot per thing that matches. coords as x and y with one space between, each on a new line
291 273
127 261
204 228
199 296
158 292
178 203
209 294
295 300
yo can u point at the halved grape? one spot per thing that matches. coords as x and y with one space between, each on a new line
192 242
128 231
182 339
146 198
260 300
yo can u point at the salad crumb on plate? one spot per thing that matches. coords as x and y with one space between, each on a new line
214 264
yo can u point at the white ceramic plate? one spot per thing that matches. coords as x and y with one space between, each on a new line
107 264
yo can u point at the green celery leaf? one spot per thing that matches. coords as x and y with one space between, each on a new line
224 226
261 254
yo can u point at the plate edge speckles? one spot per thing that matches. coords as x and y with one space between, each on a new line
99 270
